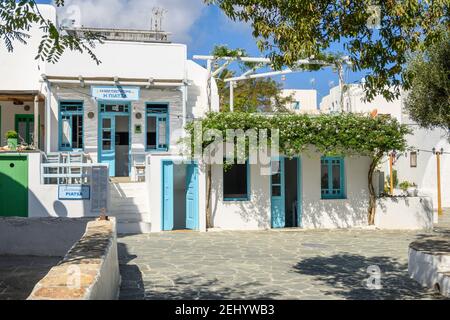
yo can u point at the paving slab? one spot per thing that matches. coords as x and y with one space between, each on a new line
341 264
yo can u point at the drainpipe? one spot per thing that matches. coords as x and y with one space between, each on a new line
36 123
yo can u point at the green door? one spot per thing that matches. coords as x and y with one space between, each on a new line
13 186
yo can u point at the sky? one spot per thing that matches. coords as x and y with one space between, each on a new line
195 24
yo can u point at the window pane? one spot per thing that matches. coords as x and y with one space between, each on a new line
65 137
151 133
325 176
162 125
106 123
413 159
107 135
337 176
276 191
77 132
107 145
235 182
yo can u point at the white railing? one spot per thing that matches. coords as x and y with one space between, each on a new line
67 173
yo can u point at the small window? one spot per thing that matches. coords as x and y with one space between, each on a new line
413 159
157 124
71 126
296 105
114 108
235 182
332 178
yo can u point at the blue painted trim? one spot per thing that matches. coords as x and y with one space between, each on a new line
69 114
248 196
342 194
160 115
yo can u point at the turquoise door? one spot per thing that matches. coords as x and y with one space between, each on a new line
168 194
192 197
278 194
108 144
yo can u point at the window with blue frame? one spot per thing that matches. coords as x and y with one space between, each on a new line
157 127
71 126
332 178
296 105
236 182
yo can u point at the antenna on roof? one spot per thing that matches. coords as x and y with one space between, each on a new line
157 19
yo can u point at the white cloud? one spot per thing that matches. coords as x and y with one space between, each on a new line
136 14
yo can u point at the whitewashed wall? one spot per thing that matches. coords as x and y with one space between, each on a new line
19 69
317 213
242 215
306 98
43 199
345 213
425 175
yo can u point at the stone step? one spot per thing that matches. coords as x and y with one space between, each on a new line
131 216
133 227
131 206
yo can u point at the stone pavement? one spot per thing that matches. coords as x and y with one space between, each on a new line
19 275
269 265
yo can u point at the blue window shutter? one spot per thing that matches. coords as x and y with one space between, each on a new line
330 192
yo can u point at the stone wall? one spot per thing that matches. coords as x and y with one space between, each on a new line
89 271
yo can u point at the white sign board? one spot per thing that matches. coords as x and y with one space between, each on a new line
74 192
116 93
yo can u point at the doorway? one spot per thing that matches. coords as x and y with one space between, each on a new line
25 128
286 193
180 196
114 136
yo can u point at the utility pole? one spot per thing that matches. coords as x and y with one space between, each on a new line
232 96
340 68
391 171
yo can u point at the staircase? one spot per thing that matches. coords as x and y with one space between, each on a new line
129 204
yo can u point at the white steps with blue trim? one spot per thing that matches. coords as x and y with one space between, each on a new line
129 204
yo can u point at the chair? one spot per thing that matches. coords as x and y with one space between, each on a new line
53 158
75 158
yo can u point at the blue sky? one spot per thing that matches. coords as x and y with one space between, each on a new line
201 27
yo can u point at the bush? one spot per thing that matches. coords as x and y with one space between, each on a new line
11 135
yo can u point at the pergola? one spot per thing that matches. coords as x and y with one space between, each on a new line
260 63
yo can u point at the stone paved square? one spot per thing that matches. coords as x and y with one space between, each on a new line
293 264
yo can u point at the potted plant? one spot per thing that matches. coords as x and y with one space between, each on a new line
11 138
410 189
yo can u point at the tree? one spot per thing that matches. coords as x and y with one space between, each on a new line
252 95
428 101
17 18
342 134
377 37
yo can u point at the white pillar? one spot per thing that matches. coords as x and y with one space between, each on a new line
48 122
36 123
184 91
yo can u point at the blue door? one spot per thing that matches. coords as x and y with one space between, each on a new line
108 144
278 194
168 194
192 197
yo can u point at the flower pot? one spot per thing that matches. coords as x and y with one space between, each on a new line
12 144
412 192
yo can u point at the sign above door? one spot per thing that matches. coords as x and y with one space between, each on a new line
115 93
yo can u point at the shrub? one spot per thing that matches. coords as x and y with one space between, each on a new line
11 135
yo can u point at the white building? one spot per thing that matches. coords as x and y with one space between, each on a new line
417 166
84 117
304 101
